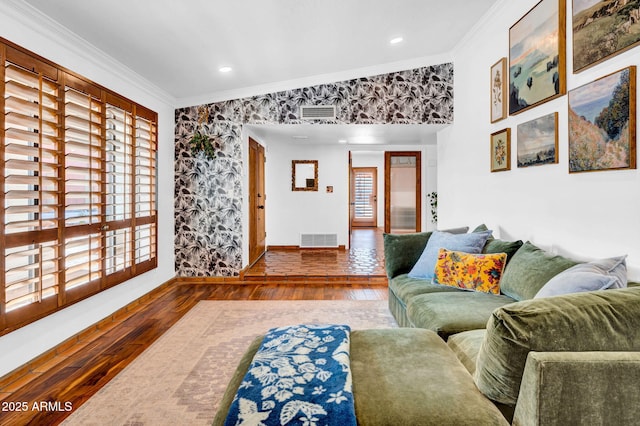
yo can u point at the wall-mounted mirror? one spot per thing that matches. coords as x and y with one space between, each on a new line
304 175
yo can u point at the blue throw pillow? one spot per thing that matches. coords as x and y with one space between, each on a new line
597 275
468 243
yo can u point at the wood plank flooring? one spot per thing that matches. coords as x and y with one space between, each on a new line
48 392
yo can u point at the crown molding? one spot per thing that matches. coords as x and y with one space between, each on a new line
314 80
33 20
481 23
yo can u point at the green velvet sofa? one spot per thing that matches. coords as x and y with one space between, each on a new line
465 358
556 360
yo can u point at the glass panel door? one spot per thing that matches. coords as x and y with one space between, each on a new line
402 209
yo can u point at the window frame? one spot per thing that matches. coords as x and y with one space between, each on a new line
134 232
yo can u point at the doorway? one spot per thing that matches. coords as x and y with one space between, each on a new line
257 202
402 188
364 197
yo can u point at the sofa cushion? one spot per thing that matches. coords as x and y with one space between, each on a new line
476 272
500 246
402 251
592 321
450 313
405 288
596 275
466 346
529 270
469 243
410 377
495 245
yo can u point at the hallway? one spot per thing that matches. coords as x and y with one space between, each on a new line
363 262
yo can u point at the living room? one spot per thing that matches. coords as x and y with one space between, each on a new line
583 215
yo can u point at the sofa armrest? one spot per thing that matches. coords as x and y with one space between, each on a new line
560 388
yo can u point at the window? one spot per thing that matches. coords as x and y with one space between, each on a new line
78 199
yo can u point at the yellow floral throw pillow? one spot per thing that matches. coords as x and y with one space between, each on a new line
478 272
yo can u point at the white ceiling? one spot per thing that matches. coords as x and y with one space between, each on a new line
179 45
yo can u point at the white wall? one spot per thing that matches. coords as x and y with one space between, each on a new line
57 45
290 213
587 215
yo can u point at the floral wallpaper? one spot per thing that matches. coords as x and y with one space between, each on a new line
208 193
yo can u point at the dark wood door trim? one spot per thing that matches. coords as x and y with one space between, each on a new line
387 186
257 201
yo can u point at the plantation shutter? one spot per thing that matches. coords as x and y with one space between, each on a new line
145 186
363 192
78 198
31 178
119 170
83 207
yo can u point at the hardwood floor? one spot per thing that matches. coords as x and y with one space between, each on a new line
46 391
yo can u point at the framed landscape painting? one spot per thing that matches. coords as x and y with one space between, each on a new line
602 29
602 123
537 56
538 141
501 150
498 90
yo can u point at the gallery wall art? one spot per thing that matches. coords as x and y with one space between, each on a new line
602 123
537 56
538 141
498 90
602 29
501 150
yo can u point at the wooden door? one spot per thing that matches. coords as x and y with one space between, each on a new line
364 197
257 202
402 190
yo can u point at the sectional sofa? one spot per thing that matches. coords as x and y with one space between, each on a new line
472 358
573 358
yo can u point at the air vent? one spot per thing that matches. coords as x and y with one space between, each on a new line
318 112
318 240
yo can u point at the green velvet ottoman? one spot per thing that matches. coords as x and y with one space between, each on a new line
401 376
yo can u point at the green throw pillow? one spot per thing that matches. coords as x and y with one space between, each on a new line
402 251
494 246
500 246
529 270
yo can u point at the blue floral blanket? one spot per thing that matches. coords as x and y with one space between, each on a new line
299 376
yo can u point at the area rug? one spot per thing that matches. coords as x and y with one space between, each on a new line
180 379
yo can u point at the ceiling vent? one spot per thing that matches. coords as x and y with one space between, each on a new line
317 112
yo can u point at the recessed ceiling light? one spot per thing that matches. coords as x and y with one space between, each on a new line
299 137
396 40
342 141
225 69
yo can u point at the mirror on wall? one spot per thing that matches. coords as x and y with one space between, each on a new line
304 175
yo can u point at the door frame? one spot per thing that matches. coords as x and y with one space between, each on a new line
387 186
352 192
257 199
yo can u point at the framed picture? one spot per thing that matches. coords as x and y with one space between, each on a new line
498 90
501 150
537 56
602 123
538 141
602 29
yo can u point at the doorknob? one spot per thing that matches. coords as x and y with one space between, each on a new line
261 207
